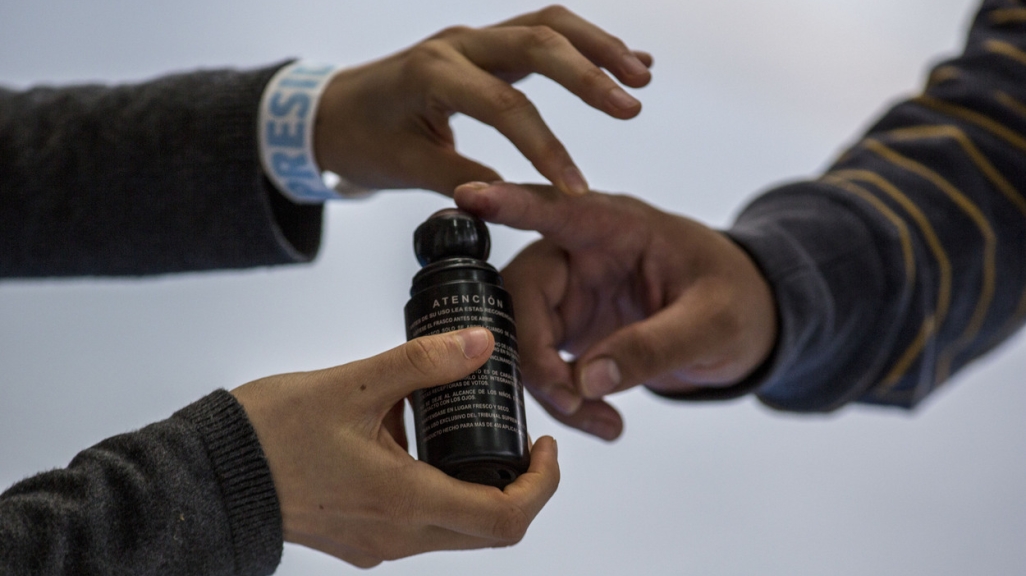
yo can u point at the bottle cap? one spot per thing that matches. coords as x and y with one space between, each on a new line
451 233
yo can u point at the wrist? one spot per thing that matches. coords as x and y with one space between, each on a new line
288 118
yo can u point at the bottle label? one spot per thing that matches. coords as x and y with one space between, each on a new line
484 411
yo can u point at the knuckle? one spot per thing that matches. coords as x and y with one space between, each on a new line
553 149
545 38
554 12
594 78
424 356
362 546
626 201
365 563
542 390
390 554
510 102
427 55
629 207
451 31
619 44
645 351
511 525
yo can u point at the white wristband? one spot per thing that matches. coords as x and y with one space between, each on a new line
288 109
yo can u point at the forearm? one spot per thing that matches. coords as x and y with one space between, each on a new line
905 260
188 495
162 176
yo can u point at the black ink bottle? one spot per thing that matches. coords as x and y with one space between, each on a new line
472 429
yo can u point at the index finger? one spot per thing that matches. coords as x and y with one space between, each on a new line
540 49
571 222
602 48
485 511
469 90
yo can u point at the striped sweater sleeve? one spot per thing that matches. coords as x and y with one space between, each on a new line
906 260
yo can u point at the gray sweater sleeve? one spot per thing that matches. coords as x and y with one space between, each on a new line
158 177
191 495
153 178
907 259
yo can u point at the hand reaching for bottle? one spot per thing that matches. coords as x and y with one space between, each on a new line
386 124
638 296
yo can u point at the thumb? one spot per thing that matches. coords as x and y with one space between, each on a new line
667 344
423 362
442 168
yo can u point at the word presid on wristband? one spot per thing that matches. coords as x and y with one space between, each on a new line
286 122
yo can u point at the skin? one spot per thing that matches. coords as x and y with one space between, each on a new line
638 297
334 439
336 447
386 124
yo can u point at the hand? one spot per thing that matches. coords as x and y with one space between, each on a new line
386 124
336 447
639 296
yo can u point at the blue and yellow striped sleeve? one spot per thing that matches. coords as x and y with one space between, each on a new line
907 258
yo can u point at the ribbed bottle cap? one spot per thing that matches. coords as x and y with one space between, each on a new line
451 233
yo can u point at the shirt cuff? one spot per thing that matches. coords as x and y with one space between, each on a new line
285 127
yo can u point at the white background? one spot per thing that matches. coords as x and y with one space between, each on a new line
747 93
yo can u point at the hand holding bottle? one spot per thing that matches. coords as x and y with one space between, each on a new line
336 447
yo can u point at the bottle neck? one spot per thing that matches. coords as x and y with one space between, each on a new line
452 270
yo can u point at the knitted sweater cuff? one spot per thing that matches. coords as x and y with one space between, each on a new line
247 489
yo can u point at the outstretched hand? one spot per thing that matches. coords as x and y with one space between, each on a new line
636 295
386 124
336 447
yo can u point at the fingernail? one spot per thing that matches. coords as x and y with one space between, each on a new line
564 399
555 447
633 66
601 428
574 181
600 377
474 185
622 100
473 341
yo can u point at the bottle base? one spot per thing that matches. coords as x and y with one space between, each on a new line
496 474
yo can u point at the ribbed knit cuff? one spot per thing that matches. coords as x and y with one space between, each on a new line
296 228
816 247
247 488
718 394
